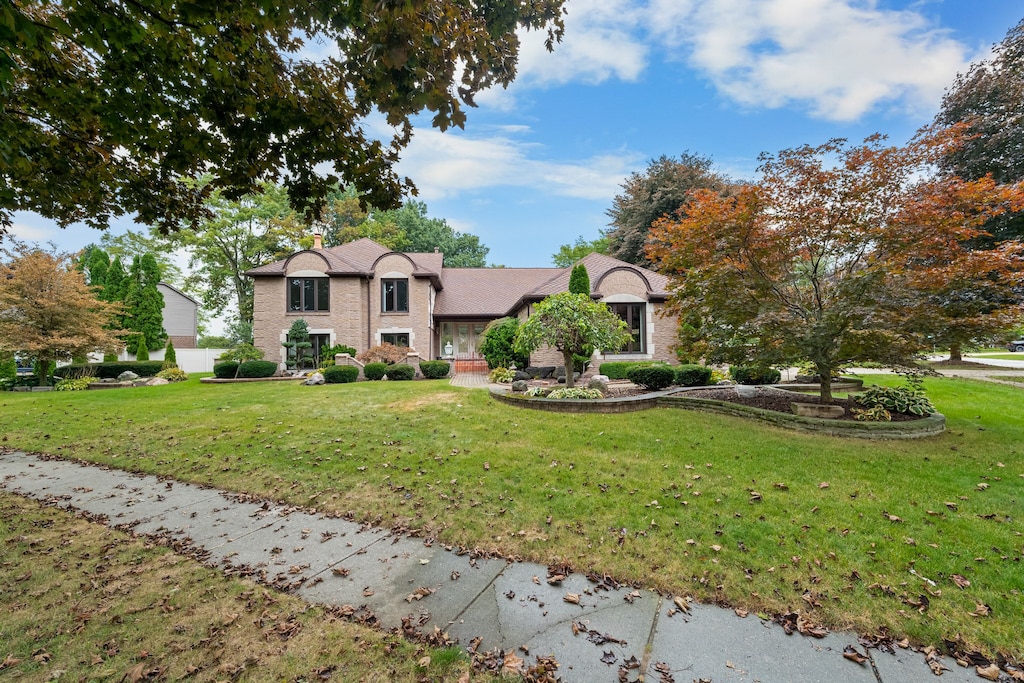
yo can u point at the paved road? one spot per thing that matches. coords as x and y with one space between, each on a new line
593 628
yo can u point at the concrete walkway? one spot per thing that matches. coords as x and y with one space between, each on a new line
596 630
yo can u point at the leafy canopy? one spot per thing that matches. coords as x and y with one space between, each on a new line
110 108
838 254
47 311
569 254
570 323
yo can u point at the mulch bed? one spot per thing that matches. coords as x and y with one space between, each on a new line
778 401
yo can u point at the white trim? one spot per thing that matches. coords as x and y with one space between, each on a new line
396 330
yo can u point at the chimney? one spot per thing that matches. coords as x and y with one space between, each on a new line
436 250
318 241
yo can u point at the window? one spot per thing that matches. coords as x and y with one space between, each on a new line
309 294
394 296
400 339
636 318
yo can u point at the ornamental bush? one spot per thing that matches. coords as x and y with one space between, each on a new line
576 392
434 369
145 368
501 376
170 357
257 368
341 374
653 377
388 354
72 384
751 374
331 351
401 373
693 375
225 369
906 400
617 369
173 374
375 371
496 347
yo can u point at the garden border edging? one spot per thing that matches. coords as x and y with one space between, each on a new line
916 429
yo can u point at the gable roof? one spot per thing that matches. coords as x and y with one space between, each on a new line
356 258
486 292
598 266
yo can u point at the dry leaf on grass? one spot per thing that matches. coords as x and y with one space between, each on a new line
960 581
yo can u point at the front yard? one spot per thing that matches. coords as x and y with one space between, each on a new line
880 537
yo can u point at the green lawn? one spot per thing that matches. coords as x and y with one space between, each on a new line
663 498
997 355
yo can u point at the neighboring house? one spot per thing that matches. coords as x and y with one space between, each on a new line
362 294
181 316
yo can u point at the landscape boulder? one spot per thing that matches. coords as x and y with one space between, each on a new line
315 379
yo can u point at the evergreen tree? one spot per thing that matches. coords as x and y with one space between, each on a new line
579 280
144 304
169 356
96 266
114 288
141 349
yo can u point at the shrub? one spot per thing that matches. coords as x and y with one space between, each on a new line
257 368
242 353
576 392
76 371
501 376
872 414
537 392
169 355
693 375
434 369
907 400
653 377
225 369
145 368
72 384
375 371
499 337
617 369
173 375
329 352
401 373
341 374
8 367
141 349
750 374
385 353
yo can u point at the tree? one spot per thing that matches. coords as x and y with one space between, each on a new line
579 280
47 311
141 348
144 304
134 243
241 235
169 354
569 254
835 256
110 108
97 262
497 344
569 323
425 234
663 189
989 99
298 345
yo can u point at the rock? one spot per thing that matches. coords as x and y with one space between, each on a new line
520 375
745 391
546 371
156 381
127 376
599 382
560 371
725 383
519 385
314 379
816 410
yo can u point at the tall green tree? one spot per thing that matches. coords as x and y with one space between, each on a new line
242 234
115 287
134 243
579 280
569 254
144 304
47 310
110 108
570 323
425 234
663 189
97 264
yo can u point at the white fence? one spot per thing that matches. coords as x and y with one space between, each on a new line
189 360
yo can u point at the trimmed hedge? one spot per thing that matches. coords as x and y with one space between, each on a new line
693 375
401 373
341 374
375 371
110 370
618 369
257 368
225 369
749 374
653 377
435 369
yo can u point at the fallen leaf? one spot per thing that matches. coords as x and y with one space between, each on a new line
960 581
851 653
424 662
989 673
741 613
512 664
982 486
981 610
824 485
339 571
9 661
367 592
681 603
572 598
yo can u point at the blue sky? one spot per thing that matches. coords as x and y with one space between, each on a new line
539 163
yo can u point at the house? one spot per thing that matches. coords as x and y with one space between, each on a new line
362 294
181 316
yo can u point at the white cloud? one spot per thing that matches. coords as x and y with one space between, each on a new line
33 233
447 164
839 58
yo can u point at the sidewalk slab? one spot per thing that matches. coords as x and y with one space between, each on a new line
907 666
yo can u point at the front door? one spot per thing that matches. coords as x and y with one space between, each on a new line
463 337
